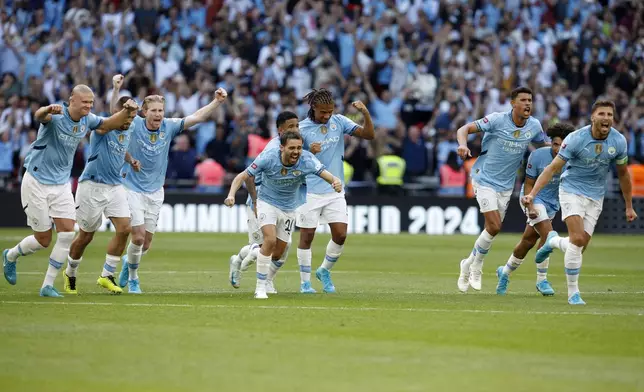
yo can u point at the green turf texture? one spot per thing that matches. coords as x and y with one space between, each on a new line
396 324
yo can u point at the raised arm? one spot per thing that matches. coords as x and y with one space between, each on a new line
203 114
117 82
43 115
234 187
626 186
116 121
366 131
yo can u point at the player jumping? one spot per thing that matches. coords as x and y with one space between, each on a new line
283 171
539 222
589 153
150 144
46 193
505 141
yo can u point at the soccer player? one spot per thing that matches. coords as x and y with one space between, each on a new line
283 171
286 121
589 153
100 191
45 191
539 222
325 131
150 143
506 137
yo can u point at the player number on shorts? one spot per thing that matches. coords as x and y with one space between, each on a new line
288 225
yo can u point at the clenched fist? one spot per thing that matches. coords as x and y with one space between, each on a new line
360 107
55 109
117 81
220 95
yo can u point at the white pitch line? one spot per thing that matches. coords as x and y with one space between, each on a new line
323 308
220 272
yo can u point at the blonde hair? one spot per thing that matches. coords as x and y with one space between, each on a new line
152 99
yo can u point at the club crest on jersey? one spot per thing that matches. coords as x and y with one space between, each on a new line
611 150
323 130
161 135
153 138
121 138
75 129
82 128
283 171
598 149
296 173
333 127
516 134
528 134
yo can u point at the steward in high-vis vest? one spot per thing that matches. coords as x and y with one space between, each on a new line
391 169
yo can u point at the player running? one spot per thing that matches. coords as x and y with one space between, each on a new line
101 192
324 131
150 144
589 153
283 172
46 193
286 121
545 206
505 141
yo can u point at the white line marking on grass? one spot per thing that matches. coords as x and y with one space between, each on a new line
222 272
323 308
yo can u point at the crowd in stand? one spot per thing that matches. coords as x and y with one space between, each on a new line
423 67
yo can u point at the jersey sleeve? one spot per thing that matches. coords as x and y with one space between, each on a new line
622 152
348 125
258 165
531 170
540 136
489 123
568 147
174 125
312 165
94 121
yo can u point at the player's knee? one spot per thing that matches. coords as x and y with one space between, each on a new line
339 238
578 239
528 243
269 244
124 230
493 228
43 238
84 238
306 238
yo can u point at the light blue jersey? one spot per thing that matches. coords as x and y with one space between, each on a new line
549 195
502 150
106 157
151 148
281 184
331 136
274 143
589 160
51 156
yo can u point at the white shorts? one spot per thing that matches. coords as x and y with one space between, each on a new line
94 199
326 208
144 208
588 209
255 235
283 221
43 202
491 200
542 214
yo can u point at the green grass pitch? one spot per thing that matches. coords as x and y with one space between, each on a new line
397 323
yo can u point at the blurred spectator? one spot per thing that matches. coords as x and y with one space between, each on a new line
453 177
210 176
423 67
183 159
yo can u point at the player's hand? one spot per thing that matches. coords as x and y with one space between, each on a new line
360 107
220 95
337 184
527 201
631 215
117 81
315 147
230 201
532 213
463 152
136 165
130 106
55 109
